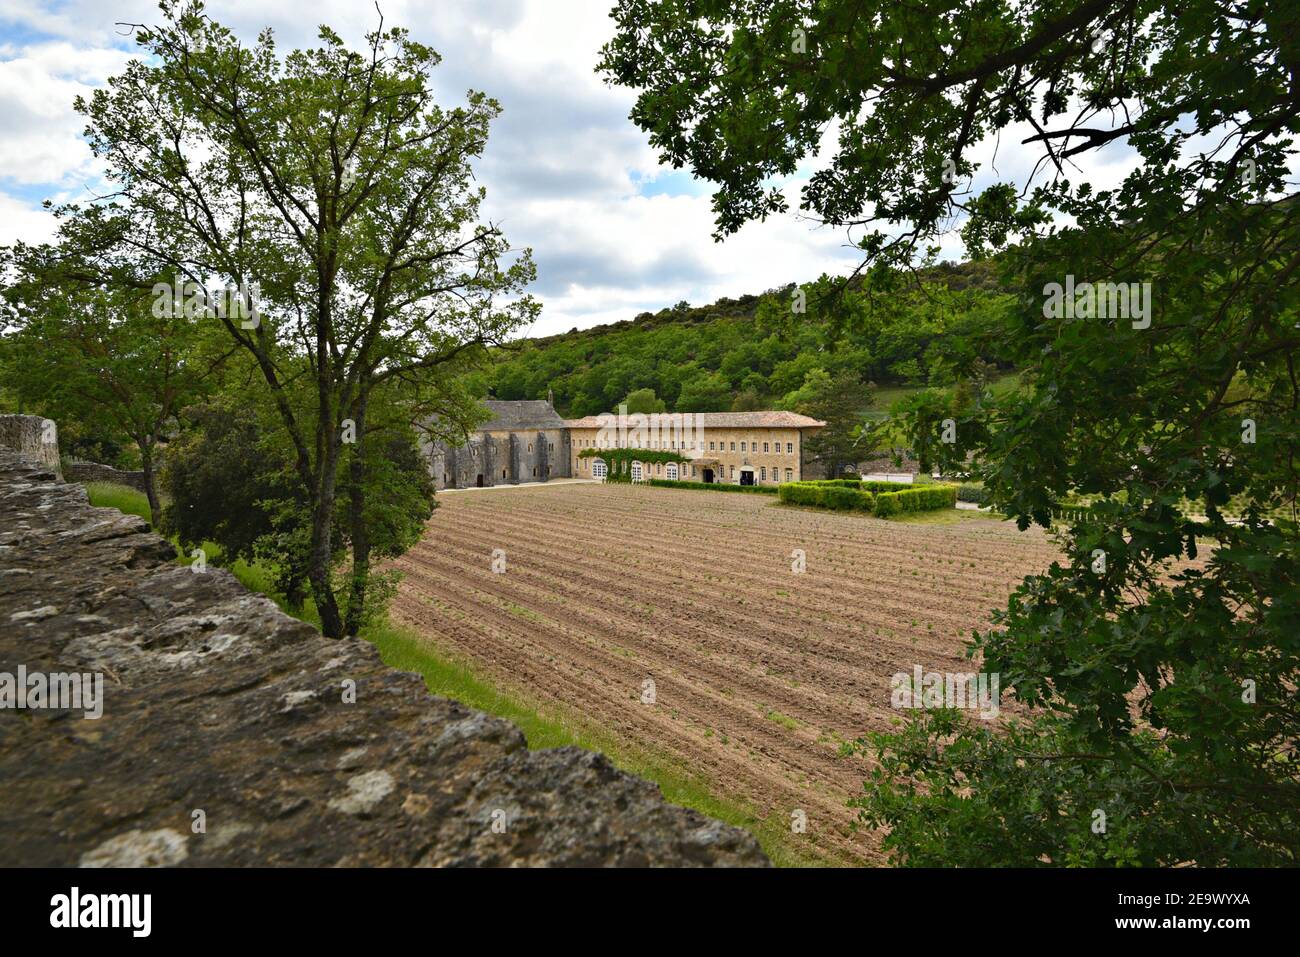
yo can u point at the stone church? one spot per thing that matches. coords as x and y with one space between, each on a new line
524 441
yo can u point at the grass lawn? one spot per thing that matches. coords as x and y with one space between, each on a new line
407 650
121 497
946 516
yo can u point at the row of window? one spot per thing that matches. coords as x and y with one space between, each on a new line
599 469
769 447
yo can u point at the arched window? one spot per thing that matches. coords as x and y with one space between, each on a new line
672 471
636 471
599 469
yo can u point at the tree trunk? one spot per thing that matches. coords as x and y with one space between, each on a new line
318 569
150 489
358 531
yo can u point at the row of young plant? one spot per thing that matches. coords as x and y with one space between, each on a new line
879 498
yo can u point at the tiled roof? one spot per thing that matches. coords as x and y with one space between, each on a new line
525 414
726 420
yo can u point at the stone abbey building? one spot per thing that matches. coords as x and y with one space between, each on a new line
522 442
527 441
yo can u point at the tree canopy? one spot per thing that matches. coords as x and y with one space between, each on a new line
1161 654
332 199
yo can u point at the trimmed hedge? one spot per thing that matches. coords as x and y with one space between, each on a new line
841 498
889 498
922 499
972 493
712 486
858 484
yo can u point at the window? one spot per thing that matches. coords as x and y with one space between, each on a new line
636 471
762 473
789 448
733 471
733 446
789 475
742 446
599 469
710 446
672 471
764 446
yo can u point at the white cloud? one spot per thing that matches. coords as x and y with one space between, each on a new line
40 135
564 168
19 220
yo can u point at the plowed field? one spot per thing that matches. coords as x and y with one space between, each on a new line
759 672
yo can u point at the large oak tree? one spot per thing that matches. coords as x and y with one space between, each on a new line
330 190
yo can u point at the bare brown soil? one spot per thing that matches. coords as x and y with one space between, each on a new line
759 673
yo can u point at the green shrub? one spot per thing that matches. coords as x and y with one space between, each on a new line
832 495
889 498
918 499
972 493
886 486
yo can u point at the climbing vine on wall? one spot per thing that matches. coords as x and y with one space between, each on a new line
620 460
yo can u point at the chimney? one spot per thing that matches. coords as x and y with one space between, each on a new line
550 397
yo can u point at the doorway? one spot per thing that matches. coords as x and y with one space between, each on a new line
746 476
708 476
479 483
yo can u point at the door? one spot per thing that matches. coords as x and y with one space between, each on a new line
599 469
636 471
746 476
671 471
708 476
479 483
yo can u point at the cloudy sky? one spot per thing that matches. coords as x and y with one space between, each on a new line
567 173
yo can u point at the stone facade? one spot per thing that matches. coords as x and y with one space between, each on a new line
749 448
528 442
233 735
523 442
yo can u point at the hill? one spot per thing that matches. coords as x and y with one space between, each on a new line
756 352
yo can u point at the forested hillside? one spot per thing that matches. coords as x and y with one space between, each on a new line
759 352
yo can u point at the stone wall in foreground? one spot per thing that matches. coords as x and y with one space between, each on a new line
34 438
77 471
217 707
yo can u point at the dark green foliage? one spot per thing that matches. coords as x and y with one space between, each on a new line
228 483
967 492
620 460
750 354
